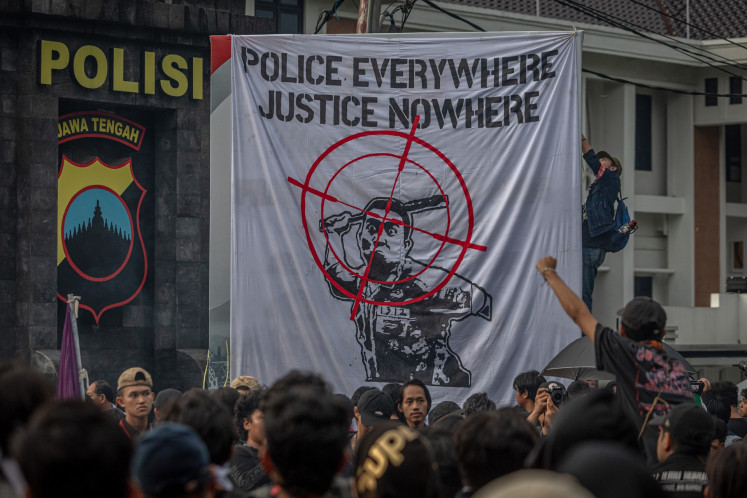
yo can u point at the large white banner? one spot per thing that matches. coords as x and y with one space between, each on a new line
390 198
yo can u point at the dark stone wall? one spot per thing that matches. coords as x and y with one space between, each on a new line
169 334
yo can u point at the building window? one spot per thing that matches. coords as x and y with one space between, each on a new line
737 260
287 14
711 86
733 150
643 286
735 89
643 132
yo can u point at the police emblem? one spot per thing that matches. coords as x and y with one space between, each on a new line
101 253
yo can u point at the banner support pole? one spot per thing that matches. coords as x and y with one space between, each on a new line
72 302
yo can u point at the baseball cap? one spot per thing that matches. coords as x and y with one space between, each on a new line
375 406
134 376
245 383
603 153
644 315
171 460
689 424
406 468
165 396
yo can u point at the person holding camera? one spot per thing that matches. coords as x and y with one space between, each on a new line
649 382
550 397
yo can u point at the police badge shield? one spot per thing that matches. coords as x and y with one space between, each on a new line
101 251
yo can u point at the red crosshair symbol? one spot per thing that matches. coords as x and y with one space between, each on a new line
403 159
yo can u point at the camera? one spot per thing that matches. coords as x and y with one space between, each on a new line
557 392
697 386
742 365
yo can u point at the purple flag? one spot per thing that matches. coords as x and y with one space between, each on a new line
68 385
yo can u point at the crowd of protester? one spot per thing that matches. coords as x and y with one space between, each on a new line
639 436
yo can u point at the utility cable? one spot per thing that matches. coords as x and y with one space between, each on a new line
594 13
729 62
455 16
714 35
661 88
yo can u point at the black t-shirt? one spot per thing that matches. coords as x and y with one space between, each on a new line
681 475
246 470
738 426
643 373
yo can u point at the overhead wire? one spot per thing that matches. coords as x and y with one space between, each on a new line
606 18
455 16
661 88
714 35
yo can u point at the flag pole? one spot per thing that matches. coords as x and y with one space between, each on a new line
72 302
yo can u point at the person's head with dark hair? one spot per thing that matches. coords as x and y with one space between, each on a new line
226 395
743 403
578 388
22 390
489 444
249 419
726 472
526 385
307 434
728 391
441 410
101 393
72 446
442 444
172 461
720 432
394 460
348 404
359 392
416 403
395 392
717 406
209 418
643 319
450 423
162 399
478 402
686 429
298 378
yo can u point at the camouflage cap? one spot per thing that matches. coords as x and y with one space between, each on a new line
245 383
134 376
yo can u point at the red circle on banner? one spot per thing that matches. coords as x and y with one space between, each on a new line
410 138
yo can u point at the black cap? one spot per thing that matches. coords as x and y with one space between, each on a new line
603 153
689 424
375 406
406 468
644 315
171 459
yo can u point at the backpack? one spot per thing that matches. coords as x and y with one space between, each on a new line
617 240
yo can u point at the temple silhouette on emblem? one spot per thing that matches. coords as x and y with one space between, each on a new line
98 248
